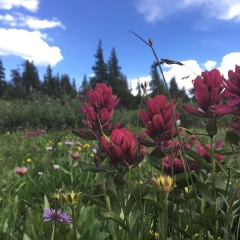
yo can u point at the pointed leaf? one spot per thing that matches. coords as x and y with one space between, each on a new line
199 159
46 203
111 215
96 201
137 195
154 162
157 153
84 134
65 170
202 189
211 127
227 151
232 137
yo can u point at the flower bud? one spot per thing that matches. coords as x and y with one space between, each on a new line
72 198
163 184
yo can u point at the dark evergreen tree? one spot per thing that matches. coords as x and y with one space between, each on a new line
117 80
30 76
65 86
84 88
2 78
100 68
173 88
114 72
184 96
45 87
156 84
17 83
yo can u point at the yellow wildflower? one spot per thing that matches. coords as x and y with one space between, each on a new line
59 143
86 145
8 133
92 155
72 198
29 160
79 148
163 183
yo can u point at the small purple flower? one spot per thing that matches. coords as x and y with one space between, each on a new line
40 173
56 166
21 170
43 131
69 143
94 150
49 148
50 214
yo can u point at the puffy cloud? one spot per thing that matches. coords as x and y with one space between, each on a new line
28 45
134 83
31 5
35 23
183 74
154 10
228 63
20 20
210 64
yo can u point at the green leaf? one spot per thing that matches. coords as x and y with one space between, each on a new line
96 201
65 170
202 189
153 202
232 137
157 153
178 227
154 162
138 193
26 237
111 215
46 203
226 151
84 134
211 127
88 167
199 159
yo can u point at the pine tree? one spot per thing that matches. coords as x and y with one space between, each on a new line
2 78
114 72
118 80
184 96
30 76
45 87
156 84
84 87
65 86
17 83
173 88
100 68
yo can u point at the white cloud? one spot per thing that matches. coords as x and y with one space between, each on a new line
20 20
209 64
228 63
192 69
28 45
135 81
31 5
35 23
154 10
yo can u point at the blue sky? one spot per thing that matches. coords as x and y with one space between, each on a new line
203 34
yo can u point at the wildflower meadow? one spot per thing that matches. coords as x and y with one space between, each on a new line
105 180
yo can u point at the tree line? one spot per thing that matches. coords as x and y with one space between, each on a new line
23 83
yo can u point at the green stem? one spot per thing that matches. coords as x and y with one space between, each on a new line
230 207
213 186
165 214
107 200
202 210
74 225
124 211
